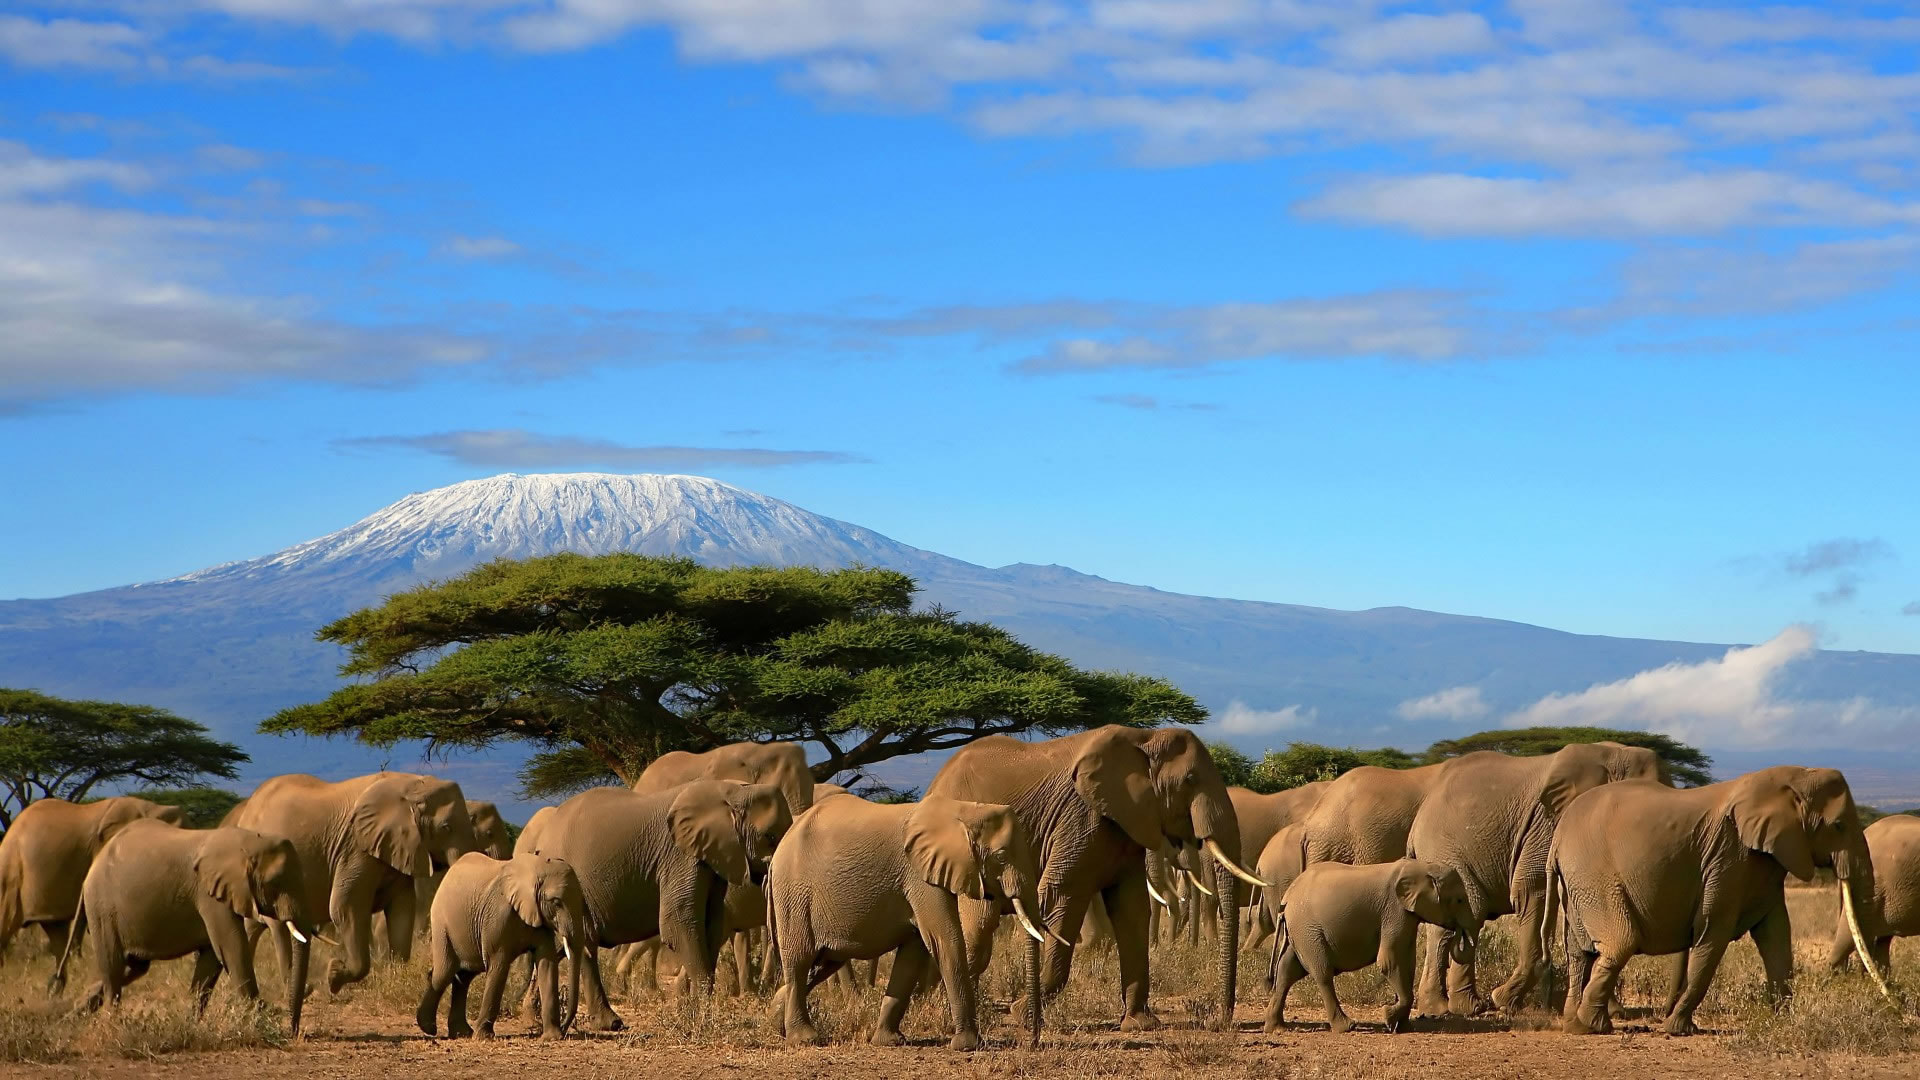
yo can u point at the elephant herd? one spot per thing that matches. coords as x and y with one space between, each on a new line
1120 824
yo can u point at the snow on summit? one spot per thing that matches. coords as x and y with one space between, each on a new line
444 531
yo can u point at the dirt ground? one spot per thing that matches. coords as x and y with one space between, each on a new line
1836 1026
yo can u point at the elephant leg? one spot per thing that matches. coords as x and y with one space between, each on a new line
1287 971
206 972
1396 962
797 962
439 976
643 958
1321 971
1433 972
1773 936
1587 1014
498 965
743 962
350 907
1676 983
1527 960
57 931
908 962
1126 903
941 937
600 1015
1883 955
400 917
1463 989
1259 926
233 952
546 971
1703 960
137 968
457 1025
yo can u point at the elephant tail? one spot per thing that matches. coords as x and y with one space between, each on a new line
1555 905
1279 948
58 980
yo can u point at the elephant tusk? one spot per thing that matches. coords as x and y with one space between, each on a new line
295 931
566 950
1157 898
1213 849
1860 939
1026 923
324 938
1194 880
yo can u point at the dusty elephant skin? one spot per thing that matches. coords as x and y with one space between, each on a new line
362 843
1095 803
490 912
1893 908
1646 869
1490 818
1261 817
855 880
660 864
45 855
157 892
1338 918
781 765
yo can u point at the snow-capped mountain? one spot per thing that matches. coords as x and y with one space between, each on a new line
231 644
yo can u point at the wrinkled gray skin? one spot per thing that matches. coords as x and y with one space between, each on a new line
1261 817
44 857
1490 818
361 843
1095 803
855 880
1894 909
490 912
1338 918
660 864
1648 869
489 837
157 892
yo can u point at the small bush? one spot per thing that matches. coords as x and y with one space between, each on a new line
1830 1012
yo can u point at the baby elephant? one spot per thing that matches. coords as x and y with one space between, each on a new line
854 880
1337 918
487 914
157 891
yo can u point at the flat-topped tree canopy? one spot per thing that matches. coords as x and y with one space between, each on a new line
606 662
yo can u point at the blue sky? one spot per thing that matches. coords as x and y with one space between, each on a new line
1592 315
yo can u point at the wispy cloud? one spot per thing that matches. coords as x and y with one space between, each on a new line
1728 701
1243 719
518 448
1454 703
1911 609
119 47
480 247
1844 558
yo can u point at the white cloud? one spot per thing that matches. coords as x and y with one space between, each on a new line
517 448
78 43
1416 37
1455 703
1242 719
1730 701
480 247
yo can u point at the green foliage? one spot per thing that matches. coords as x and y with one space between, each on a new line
1235 767
52 747
605 663
1304 762
205 806
1688 766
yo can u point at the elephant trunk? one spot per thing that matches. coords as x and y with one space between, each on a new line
1228 887
573 984
297 983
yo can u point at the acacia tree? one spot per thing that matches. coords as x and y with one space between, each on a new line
603 663
1686 764
54 748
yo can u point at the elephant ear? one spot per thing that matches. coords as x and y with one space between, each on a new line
1408 882
1769 817
387 824
520 880
944 846
225 869
1575 770
1112 775
706 828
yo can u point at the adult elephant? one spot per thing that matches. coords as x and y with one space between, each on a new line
45 855
1647 869
661 864
1490 818
490 833
1094 804
1365 814
1893 908
1261 817
362 843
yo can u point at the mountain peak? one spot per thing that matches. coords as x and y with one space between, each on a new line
444 531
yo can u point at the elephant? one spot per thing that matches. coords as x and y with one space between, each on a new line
1163 890
1647 869
1364 815
1094 803
45 854
1894 907
746 911
490 912
1491 818
857 880
490 835
660 864
1284 859
156 892
1337 918
362 843
1261 816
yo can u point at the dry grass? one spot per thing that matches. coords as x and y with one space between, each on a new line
1832 1018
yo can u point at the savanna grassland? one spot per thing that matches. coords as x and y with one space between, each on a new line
1836 1025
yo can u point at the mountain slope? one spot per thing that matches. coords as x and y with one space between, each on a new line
232 643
